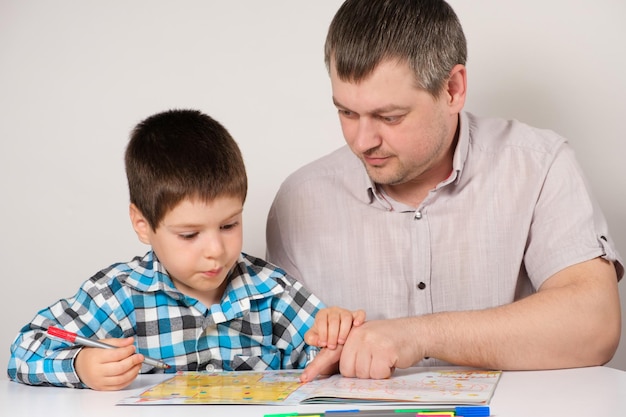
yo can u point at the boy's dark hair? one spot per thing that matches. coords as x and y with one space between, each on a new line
426 34
180 154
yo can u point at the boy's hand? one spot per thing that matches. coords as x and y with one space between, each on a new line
326 362
109 369
332 326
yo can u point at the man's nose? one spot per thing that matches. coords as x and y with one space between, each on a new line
366 136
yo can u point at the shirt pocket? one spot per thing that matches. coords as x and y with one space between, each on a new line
260 362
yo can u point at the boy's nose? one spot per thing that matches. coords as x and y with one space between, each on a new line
213 248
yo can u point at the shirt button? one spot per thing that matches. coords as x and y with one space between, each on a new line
421 285
418 215
210 367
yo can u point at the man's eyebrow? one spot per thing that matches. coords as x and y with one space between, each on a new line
337 103
384 109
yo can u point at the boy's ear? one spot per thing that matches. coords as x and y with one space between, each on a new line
140 224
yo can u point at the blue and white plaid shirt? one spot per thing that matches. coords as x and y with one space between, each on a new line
259 324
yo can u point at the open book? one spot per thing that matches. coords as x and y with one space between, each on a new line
408 386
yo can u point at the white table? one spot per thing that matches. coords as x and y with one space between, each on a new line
595 391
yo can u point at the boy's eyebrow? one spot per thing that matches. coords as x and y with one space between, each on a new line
236 213
196 225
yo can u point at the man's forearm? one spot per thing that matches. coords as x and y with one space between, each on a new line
573 321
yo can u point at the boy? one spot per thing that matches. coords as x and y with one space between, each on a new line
194 301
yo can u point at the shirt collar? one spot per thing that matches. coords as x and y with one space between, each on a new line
246 283
462 146
149 275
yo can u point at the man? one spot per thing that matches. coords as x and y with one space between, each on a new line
467 240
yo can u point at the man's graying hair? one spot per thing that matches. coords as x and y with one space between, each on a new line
424 33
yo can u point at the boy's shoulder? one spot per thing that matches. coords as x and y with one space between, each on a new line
141 272
258 278
255 266
258 272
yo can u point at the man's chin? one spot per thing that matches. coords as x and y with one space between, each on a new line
382 179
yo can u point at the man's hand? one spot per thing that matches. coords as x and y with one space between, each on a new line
109 369
372 350
375 349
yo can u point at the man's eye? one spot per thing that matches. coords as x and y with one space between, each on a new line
346 113
390 119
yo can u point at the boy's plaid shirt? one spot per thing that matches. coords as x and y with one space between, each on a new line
260 323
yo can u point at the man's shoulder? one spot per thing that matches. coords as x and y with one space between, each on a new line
341 163
493 132
335 163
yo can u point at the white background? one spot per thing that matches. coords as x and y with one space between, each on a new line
76 76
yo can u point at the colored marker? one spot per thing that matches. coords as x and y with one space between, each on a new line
295 414
461 411
465 411
74 338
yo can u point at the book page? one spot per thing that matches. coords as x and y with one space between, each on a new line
415 385
250 387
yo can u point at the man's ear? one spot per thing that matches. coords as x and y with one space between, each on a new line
456 88
140 224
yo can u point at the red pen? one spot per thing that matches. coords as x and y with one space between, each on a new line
74 338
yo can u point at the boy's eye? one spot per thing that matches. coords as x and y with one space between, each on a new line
188 236
229 226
